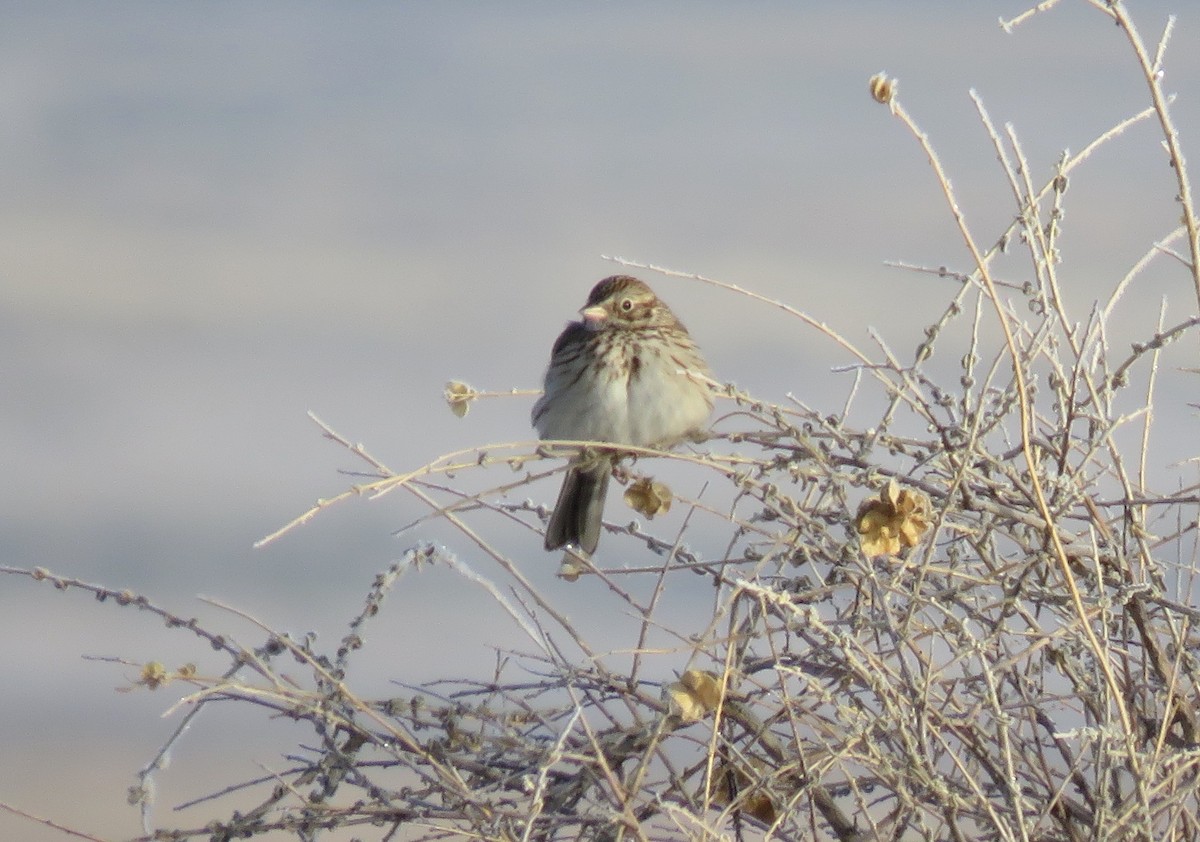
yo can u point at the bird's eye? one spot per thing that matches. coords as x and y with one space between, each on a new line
626 305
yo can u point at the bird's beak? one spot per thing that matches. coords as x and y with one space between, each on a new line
594 317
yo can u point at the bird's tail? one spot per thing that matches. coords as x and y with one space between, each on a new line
580 506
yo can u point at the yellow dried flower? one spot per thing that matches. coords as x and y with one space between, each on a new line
894 520
731 784
459 396
572 566
154 675
695 694
647 497
883 88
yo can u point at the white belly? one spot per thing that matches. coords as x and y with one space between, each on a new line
655 405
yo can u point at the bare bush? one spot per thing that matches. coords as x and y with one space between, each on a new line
967 616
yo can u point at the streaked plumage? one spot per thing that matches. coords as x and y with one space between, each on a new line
618 376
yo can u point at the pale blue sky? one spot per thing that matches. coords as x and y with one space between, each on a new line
216 216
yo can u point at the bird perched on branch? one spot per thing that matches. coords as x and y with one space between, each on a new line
627 373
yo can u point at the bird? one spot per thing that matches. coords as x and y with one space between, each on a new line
629 373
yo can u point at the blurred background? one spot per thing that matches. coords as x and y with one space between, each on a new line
215 217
